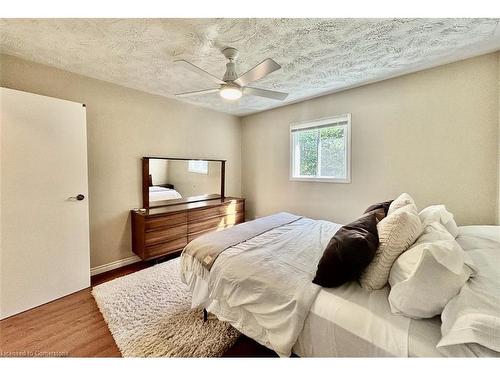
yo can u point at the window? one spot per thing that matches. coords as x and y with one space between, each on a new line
198 166
320 150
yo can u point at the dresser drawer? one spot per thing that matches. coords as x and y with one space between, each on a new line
192 236
234 219
204 213
165 234
232 208
166 221
215 223
224 222
165 248
206 224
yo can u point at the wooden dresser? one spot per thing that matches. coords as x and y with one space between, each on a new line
166 230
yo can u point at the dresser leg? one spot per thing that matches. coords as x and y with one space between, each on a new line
205 315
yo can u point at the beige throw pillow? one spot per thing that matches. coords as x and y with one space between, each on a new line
396 233
401 201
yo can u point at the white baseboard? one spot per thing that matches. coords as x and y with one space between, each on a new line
114 265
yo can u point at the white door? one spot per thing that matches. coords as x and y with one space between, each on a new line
44 248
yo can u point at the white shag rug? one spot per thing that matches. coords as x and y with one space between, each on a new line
149 315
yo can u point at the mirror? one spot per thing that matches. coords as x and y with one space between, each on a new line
168 181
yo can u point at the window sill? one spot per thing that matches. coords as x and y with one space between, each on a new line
322 179
197 172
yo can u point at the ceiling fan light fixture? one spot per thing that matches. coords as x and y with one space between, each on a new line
230 93
231 87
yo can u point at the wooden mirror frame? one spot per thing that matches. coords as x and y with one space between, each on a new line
145 179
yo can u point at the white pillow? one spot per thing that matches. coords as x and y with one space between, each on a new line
427 276
433 232
473 316
440 214
401 201
396 233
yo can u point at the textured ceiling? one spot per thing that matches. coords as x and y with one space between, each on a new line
317 55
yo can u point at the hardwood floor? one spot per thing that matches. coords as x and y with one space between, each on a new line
72 326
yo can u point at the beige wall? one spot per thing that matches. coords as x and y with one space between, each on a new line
158 169
498 157
191 184
433 134
123 125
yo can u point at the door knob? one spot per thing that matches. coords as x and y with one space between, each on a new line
79 197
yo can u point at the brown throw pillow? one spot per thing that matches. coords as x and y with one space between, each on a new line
349 251
377 206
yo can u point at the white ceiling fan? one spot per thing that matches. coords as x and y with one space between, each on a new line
231 86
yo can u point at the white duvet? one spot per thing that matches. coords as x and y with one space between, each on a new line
159 193
263 286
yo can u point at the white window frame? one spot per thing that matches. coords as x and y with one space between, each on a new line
334 120
196 170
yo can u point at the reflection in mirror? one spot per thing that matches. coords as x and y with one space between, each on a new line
173 181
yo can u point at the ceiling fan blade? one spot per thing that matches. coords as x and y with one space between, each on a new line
201 72
257 72
196 93
265 93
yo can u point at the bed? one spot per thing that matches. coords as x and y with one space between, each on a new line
253 285
160 193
